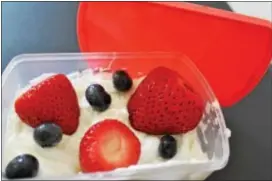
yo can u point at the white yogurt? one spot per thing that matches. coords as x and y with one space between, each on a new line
62 160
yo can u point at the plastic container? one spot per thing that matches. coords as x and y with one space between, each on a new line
24 68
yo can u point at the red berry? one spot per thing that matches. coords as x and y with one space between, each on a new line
52 100
108 145
164 103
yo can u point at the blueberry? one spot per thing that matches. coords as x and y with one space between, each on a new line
22 166
47 134
167 147
122 81
97 97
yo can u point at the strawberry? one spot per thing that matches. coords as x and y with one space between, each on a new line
108 145
164 103
52 100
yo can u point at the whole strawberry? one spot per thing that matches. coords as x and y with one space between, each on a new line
164 103
52 100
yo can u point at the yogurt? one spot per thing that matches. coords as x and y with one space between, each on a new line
62 160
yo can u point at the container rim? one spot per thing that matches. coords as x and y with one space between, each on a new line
34 57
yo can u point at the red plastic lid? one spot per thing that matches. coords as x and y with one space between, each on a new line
231 50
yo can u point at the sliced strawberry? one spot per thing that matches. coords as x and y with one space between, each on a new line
52 100
108 145
164 103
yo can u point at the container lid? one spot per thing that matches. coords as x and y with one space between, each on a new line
232 51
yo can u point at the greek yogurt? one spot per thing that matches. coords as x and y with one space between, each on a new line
62 160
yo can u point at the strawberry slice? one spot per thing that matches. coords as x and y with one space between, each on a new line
52 100
164 103
108 145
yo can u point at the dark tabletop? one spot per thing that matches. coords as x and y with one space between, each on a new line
41 27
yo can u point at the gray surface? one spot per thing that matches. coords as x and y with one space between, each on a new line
250 122
51 27
38 27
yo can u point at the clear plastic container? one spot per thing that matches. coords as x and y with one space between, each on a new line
214 139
